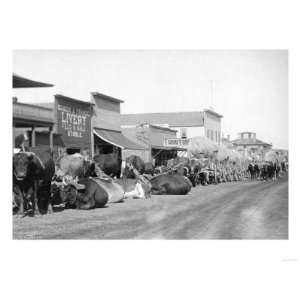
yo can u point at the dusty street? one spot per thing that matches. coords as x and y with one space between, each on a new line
242 210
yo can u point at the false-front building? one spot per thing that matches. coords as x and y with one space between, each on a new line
187 124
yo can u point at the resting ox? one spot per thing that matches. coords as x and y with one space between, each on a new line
87 192
170 184
89 196
135 188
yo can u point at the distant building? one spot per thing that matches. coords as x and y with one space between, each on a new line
248 144
152 137
225 141
187 124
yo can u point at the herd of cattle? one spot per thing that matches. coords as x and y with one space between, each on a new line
41 184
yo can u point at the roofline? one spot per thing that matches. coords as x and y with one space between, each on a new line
246 132
167 148
125 121
72 99
106 97
32 121
31 83
261 143
213 113
100 128
161 127
175 126
163 113
33 105
279 149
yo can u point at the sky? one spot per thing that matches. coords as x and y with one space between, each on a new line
248 87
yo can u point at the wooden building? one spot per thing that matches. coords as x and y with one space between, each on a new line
30 118
153 137
187 124
74 125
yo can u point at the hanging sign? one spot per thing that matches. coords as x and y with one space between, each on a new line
174 142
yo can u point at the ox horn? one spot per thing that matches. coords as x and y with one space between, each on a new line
77 185
57 183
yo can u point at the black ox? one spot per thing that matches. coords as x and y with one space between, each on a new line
32 182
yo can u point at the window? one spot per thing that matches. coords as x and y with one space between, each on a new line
216 136
183 133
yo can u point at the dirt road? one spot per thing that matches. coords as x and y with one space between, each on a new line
241 210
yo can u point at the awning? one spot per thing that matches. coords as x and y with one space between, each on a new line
22 82
117 139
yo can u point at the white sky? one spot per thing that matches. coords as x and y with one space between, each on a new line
250 87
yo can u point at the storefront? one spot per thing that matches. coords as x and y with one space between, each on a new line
109 141
75 126
107 135
29 119
153 138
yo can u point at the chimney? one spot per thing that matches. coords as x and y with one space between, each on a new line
15 99
228 137
254 136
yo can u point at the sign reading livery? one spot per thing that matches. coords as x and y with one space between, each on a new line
73 119
180 143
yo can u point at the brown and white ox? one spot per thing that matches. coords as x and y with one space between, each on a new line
78 185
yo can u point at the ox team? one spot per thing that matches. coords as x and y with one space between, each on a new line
73 181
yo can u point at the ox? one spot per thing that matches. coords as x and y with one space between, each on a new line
89 195
74 165
83 193
110 164
138 165
170 184
251 171
32 181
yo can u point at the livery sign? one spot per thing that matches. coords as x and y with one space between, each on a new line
73 120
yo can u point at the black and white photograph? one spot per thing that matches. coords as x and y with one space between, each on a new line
150 144
150 150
